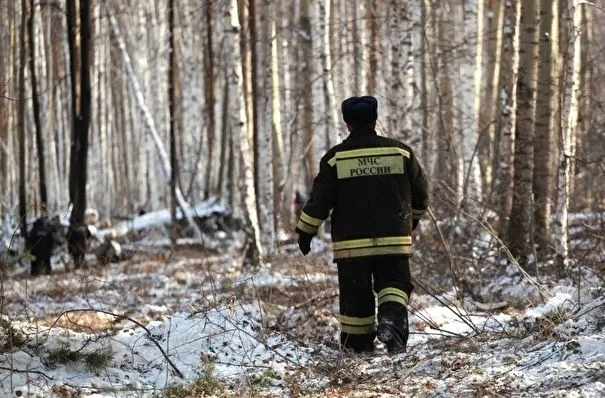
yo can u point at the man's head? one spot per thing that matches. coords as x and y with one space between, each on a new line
360 111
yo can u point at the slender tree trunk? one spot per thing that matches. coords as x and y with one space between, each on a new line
171 110
425 65
447 165
398 106
252 249
278 144
503 146
327 87
305 84
36 106
22 65
255 90
210 100
4 150
372 7
520 234
264 141
568 130
543 175
78 235
491 95
224 170
473 137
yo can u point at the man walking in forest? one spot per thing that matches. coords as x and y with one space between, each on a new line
377 193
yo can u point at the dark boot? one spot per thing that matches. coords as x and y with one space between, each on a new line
394 335
358 342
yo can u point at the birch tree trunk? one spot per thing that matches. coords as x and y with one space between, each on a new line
172 120
210 99
503 146
490 96
265 130
304 88
148 119
4 149
543 175
21 120
568 129
254 93
425 70
398 106
446 164
520 234
472 139
276 127
36 108
359 41
252 249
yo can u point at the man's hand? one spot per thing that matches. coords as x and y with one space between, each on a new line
304 242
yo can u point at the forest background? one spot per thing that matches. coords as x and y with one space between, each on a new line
499 99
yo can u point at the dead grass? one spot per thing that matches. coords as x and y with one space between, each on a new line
85 322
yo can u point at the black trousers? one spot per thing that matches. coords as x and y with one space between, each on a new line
365 282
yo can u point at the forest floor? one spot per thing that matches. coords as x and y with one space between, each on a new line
189 322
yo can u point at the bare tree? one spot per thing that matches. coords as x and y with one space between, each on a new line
171 110
520 235
22 66
240 142
36 107
304 89
569 121
209 99
265 136
503 152
78 17
543 174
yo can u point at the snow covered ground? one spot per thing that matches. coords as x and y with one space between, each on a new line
189 323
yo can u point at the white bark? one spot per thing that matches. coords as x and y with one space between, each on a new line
474 189
148 120
265 130
240 133
333 117
568 130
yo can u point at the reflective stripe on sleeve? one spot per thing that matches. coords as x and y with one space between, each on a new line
316 222
392 294
303 226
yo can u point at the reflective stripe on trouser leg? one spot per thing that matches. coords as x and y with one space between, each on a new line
354 325
392 283
392 294
357 305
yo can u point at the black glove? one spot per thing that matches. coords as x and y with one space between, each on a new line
304 242
415 223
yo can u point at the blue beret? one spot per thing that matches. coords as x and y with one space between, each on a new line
360 110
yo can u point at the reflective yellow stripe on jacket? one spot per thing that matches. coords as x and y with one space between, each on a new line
372 246
369 162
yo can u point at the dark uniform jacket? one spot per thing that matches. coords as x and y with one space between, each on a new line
376 188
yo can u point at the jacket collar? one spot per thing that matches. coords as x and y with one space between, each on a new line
361 131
